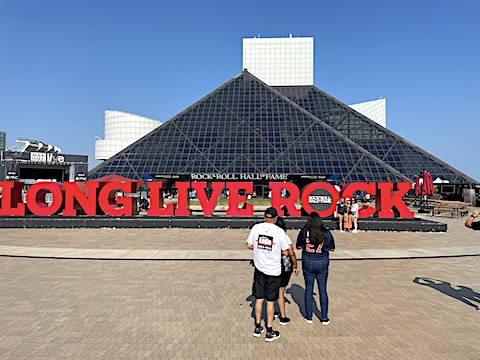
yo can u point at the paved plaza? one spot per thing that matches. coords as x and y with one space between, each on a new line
186 294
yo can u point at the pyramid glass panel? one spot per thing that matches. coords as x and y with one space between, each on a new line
395 151
245 126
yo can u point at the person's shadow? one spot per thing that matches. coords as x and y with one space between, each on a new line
463 293
252 300
298 296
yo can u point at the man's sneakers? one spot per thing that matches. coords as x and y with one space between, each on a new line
309 321
283 321
272 335
258 330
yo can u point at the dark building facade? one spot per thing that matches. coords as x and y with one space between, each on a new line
28 166
246 128
35 160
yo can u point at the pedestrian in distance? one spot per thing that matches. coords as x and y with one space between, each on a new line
354 209
316 242
474 225
289 266
347 216
470 221
269 243
340 210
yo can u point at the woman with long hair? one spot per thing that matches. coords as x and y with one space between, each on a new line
316 242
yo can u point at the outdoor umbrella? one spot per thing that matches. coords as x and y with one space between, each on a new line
424 185
417 185
427 185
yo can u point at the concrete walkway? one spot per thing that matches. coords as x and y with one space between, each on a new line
417 300
226 244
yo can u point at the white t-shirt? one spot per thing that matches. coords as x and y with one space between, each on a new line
289 241
354 209
268 241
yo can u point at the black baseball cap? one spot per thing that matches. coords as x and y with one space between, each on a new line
271 213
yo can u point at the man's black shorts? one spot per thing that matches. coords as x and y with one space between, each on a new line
285 278
265 286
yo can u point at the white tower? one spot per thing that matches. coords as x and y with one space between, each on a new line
280 61
121 130
375 110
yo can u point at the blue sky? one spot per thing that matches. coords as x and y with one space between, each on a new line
63 63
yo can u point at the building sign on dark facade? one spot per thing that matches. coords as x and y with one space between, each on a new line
240 177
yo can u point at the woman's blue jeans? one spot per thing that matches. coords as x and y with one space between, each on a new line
317 269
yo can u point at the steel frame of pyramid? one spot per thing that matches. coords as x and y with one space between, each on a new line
248 127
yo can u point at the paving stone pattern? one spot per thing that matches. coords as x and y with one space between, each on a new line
422 308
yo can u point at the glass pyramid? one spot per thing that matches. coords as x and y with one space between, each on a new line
246 126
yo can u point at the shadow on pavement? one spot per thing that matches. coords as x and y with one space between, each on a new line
463 293
298 296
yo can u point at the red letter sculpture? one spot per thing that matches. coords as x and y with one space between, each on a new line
11 202
278 202
183 199
208 205
157 201
106 199
79 195
307 190
234 198
390 199
364 211
36 198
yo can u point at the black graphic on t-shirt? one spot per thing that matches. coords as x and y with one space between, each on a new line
265 242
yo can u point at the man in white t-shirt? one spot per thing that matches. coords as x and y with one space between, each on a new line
474 226
268 243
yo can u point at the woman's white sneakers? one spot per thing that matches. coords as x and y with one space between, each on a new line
324 322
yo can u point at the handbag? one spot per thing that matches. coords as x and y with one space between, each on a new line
287 265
